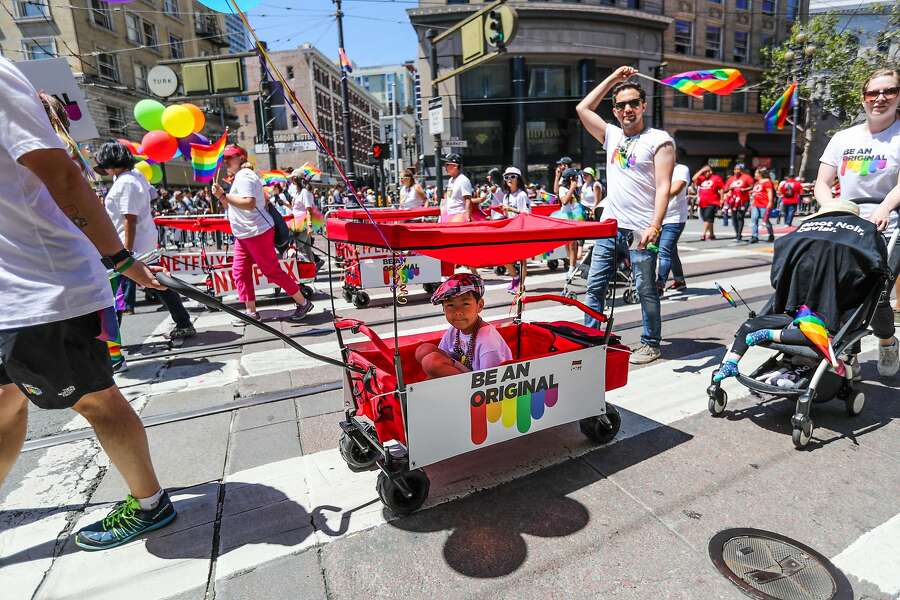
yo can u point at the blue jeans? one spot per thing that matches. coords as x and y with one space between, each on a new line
668 253
757 213
789 210
643 265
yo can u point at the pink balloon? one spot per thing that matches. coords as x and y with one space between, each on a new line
159 145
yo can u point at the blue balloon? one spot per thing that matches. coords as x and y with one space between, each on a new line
224 6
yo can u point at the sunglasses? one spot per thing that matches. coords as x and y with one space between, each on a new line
509 177
636 103
889 93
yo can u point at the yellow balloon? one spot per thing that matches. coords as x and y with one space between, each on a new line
178 121
145 169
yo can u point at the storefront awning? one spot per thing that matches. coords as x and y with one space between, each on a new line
769 144
708 143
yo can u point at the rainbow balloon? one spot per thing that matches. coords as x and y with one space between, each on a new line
274 176
717 81
813 327
777 115
205 159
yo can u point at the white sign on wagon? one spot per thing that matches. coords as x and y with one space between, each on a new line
453 415
54 76
223 280
414 269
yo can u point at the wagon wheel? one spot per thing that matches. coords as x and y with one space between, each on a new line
356 457
500 270
553 264
361 299
431 288
348 295
396 499
604 428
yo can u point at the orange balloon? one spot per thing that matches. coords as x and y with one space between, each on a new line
199 117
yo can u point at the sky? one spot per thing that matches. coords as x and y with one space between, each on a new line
376 32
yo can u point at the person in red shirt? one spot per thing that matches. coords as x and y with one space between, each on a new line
763 201
709 194
737 196
789 190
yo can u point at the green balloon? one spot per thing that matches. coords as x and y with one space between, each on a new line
156 173
148 114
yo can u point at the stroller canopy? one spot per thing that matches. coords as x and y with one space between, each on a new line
476 244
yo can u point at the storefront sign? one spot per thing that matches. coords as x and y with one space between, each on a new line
377 272
719 163
762 162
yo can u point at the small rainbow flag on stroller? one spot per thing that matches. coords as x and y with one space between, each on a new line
727 295
273 177
813 327
205 160
548 197
717 81
777 115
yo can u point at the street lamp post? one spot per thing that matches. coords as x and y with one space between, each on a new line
798 56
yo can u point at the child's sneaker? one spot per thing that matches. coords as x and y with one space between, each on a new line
888 359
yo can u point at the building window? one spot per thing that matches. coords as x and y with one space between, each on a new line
107 66
791 9
151 39
488 81
101 15
140 77
769 6
715 1
684 37
115 118
547 82
742 4
39 48
739 102
176 47
290 71
634 4
170 7
741 47
32 9
765 41
710 102
680 100
246 119
133 28
713 42
295 122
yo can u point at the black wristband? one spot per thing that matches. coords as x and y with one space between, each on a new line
110 262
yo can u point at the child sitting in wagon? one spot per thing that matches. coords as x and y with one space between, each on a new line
470 344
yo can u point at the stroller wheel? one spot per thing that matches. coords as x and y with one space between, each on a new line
500 270
348 295
631 297
801 435
717 402
431 288
357 458
360 300
572 295
855 403
604 428
396 499
553 264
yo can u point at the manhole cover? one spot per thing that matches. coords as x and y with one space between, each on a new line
770 566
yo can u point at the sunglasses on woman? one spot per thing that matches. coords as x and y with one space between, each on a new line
889 93
509 177
636 103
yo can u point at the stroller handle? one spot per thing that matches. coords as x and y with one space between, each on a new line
569 301
355 326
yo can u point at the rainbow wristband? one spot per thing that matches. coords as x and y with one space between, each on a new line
125 265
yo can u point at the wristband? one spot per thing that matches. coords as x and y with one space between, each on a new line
125 265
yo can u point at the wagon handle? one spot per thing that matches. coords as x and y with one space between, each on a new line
563 300
359 327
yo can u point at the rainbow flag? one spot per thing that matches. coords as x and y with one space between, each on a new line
717 81
274 176
310 171
777 115
346 65
315 219
134 148
727 295
575 213
548 197
813 327
205 160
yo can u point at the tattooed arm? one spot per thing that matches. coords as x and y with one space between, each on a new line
74 196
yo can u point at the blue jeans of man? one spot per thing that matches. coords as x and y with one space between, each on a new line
169 298
757 213
643 265
789 211
668 253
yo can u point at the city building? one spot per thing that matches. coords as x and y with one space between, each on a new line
315 80
238 38
721 130
519 108
111 48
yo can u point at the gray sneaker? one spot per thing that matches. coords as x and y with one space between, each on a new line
855 369
236 322
888 359
300 312
645 354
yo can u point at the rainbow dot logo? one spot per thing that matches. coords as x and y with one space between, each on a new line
509 396
863 165
405 274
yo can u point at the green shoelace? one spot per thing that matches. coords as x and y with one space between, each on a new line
122 517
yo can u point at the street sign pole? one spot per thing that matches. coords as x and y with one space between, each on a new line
266 105
438 170
345 101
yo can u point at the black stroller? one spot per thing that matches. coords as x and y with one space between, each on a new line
623 277
814 378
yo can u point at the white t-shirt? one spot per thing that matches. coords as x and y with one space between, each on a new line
409 198
587 195
518 200
678 206
302 202
49 271
867 165
631 178
248 223
130 195
459 188
490 347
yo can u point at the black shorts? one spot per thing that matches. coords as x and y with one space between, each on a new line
709 213
55 364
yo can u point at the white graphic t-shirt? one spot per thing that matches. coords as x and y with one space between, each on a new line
459 188
631 178
867 164
678 206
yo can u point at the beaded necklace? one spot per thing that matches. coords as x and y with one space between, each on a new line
466 359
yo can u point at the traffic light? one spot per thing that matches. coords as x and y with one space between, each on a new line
495 28
380 151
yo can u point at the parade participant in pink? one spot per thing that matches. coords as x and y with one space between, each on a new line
470 344
254 236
